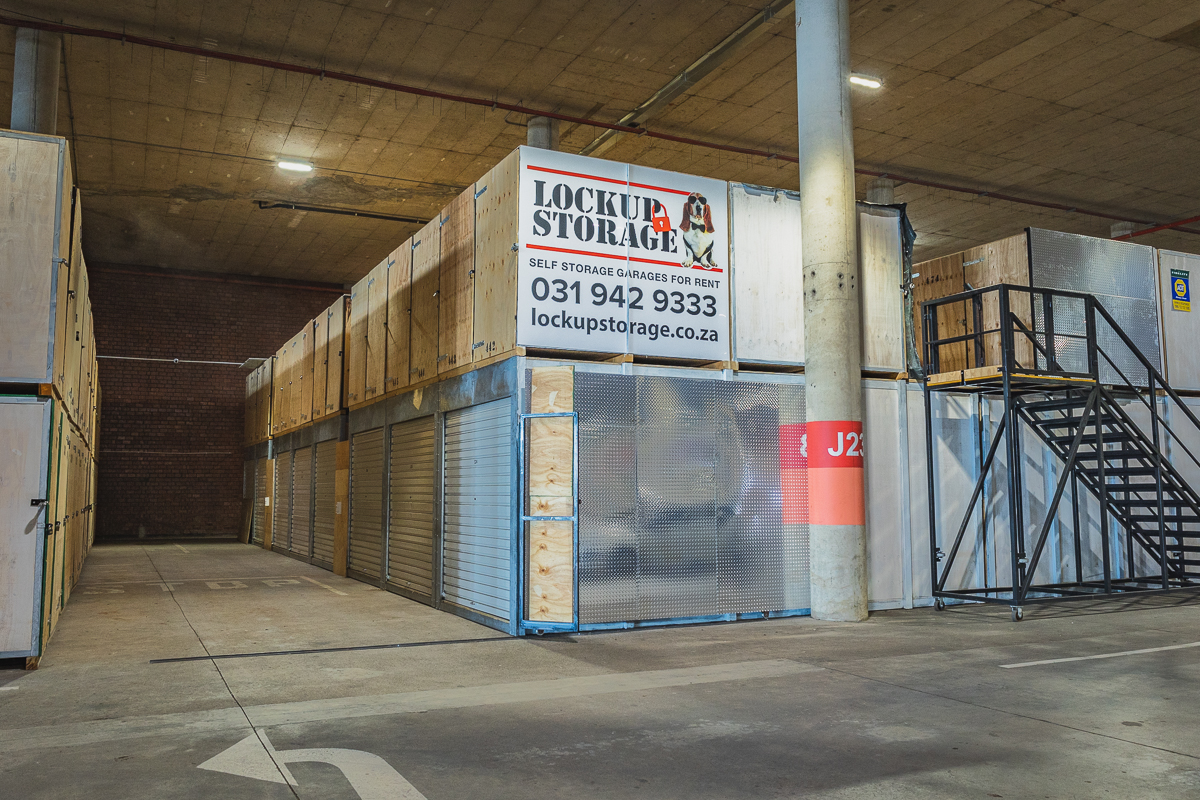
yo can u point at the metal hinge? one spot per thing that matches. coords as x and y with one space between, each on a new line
481 191
514 247
477 345
39 501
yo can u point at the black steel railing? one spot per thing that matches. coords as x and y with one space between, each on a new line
1022 342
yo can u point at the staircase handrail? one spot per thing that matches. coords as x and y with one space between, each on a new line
1151 370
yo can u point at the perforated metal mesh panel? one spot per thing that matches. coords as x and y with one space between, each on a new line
301 505
282 521
680 500
323 502
411 495
366 502
1121 275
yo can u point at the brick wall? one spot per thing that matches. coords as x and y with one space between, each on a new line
171 435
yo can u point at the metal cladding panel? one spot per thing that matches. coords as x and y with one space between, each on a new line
411 482
1180 320
301 502
680 500
477 516
261 481
323 501
1121 275
283 501
366 502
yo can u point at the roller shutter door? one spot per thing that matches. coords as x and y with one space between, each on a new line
281 522
301 505
261 482
366 502
477 510
323 504
411 498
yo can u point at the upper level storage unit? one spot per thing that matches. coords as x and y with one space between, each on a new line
46 336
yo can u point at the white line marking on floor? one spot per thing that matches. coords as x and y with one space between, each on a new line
9 688
323 586
368 774
1101 655
181 547
75 734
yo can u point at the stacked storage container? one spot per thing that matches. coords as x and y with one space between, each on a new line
49 393
495 471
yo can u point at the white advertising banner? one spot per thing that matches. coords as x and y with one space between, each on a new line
616 258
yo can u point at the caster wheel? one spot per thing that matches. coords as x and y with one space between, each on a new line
1017 614
939 604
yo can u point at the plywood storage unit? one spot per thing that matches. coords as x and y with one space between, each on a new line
1121 275
47 518
1003 261
258 403
1180 319
307 378
49 390
768 280
550 492
411 317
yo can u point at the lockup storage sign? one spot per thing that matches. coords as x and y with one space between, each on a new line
617 258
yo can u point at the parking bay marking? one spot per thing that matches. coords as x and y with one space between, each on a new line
1101 655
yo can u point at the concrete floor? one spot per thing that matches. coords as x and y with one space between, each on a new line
912 704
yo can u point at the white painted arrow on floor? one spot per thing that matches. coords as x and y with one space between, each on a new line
369 775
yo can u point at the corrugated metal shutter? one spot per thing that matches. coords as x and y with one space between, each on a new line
261 481
411 497
366 502
301 507
282 520
323 502
476 520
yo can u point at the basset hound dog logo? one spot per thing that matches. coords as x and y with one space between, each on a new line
697 227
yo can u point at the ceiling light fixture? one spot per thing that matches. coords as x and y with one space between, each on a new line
865 80
294 165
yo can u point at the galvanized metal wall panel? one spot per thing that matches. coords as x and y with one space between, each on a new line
881 272
412 483
262 480
477 517
323 502
680 500
767 275
366 502
282 522
1181 329
1121 275
885 545
302 473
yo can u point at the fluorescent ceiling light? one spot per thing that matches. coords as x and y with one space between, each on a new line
865 80
294 165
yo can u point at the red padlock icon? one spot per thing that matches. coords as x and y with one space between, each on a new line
659 219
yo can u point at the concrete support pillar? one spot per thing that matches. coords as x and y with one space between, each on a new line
542 133
833 381
35 81
882 191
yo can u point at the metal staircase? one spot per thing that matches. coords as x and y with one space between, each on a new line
1066 371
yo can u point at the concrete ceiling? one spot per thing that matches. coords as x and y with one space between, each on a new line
1089 103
